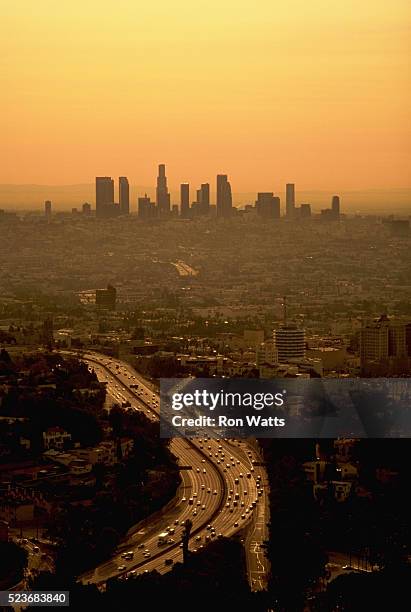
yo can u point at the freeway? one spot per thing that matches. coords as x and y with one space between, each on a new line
222 494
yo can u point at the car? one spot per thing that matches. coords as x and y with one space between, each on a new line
146 551
128 555
231 491
213 534
231 510
207 538
194 494
202 460
132 573
121 568
208 490
245 492
198 538
140 546
203 507
248 475
208 527
243 516
181 545
214 492
204 471
198 470
242 504
236 524
202 487
176 522
227 505
194 512
183 499
241 474
236 481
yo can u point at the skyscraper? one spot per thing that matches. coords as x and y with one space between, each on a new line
47 209
267 205
146 208
104 196
124 195
224 197
86 209
335 207
290 200
205 198
162 194
185 200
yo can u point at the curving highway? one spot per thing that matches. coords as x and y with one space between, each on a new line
222 491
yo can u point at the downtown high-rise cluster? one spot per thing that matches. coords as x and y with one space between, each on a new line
267 204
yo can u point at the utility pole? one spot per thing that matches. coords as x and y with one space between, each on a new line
185 538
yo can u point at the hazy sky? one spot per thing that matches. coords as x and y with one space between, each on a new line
316 92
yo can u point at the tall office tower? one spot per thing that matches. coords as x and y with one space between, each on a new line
290 342
267 205
146 208
335 206
185 200
305 211
104 196
106 298
162 194
124 195
397 339
205 198
47 209
224 197
374 341
290 200
86 208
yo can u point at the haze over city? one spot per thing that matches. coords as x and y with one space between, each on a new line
316 94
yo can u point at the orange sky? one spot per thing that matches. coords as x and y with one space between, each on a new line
269 92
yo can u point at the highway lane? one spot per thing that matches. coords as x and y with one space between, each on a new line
215 489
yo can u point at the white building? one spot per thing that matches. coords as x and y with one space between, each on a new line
290 343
